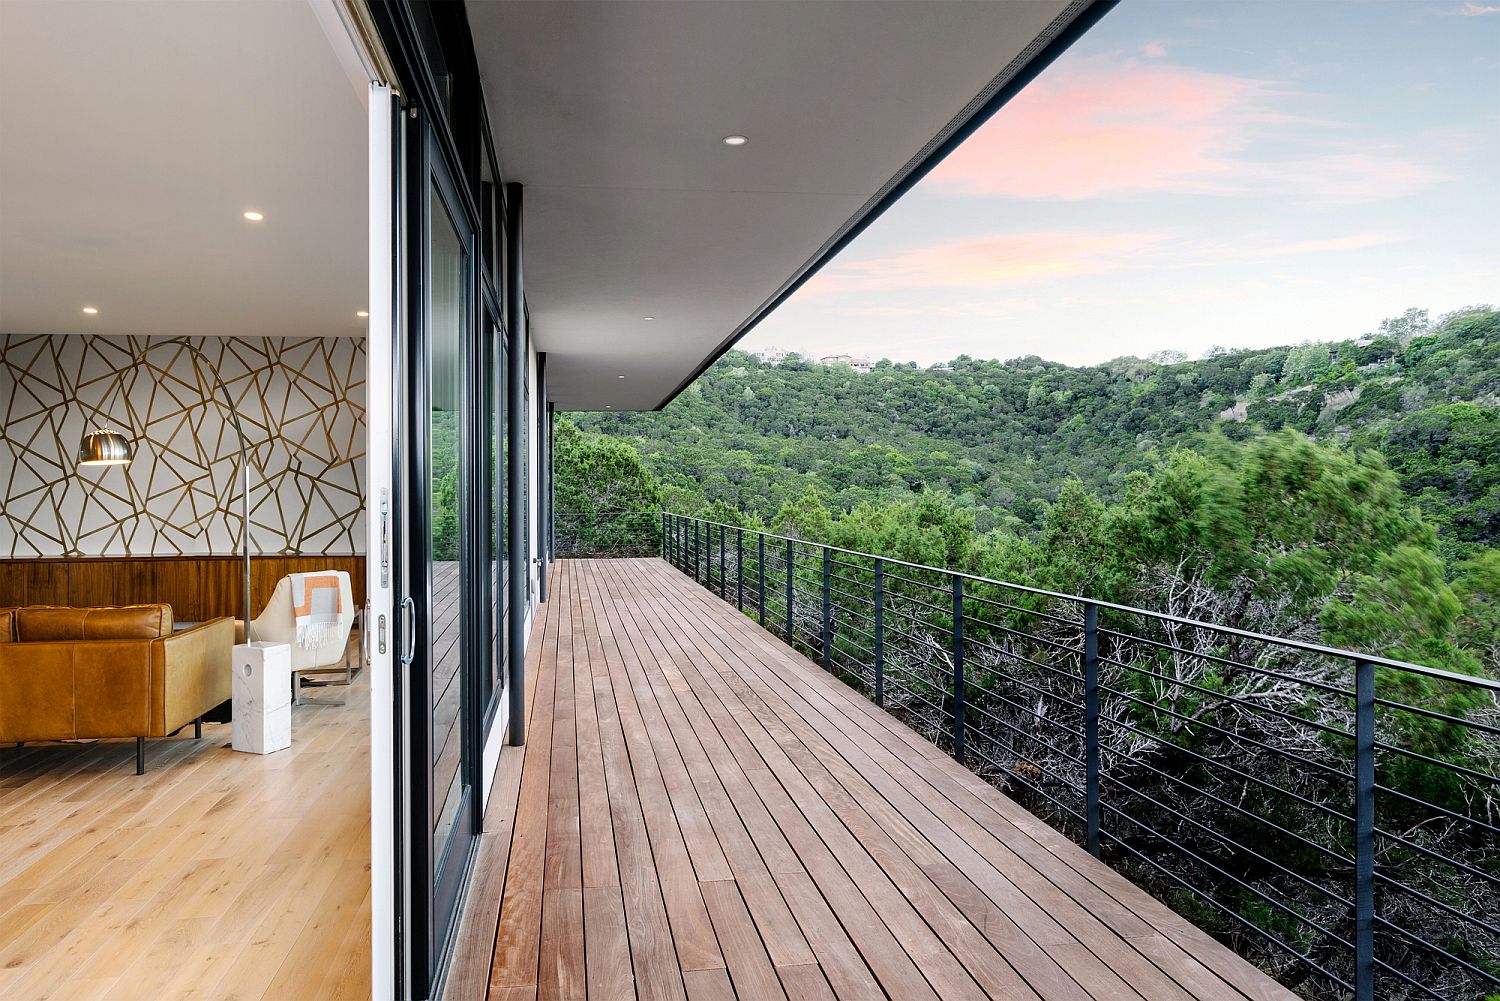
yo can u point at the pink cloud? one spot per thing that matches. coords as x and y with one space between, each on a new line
1477 10
983 263
1108 128
1112 126
1154 50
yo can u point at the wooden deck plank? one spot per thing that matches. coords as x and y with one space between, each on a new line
852 858
878 875
857 800
867 921
518 937
698 834
653 956
692 932
784 940
474 946
750 970
1100 924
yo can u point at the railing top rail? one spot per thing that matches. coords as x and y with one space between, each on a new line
1431 672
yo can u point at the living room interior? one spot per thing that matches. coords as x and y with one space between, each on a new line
183 310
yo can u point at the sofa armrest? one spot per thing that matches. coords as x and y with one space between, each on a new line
190 673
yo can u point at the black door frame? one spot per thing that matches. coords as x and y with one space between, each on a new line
443 118
435 874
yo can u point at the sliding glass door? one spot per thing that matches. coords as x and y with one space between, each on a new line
457 516
449 339
446 555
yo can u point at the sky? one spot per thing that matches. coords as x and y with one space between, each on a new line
1191 175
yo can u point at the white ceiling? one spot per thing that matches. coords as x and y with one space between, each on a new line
613 113
132 137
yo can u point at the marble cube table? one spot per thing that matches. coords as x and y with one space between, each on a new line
262 697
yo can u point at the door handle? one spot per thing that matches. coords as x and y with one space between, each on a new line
409 606
364 634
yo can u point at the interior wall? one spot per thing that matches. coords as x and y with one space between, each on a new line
302 407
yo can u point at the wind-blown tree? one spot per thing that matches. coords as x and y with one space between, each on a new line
607 500
597 473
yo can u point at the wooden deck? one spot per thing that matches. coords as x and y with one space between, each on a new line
216 875
703 813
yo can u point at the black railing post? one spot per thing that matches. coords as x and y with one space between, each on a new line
723 584
697 549
827 612
664 554
760 568
739 568
789 558
1091 722
958 668
1364 831
880 632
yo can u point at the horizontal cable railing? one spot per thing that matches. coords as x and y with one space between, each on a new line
1334 816
606 534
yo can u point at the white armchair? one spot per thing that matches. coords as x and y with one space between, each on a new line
277 624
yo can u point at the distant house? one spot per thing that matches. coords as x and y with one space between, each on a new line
860 365
772 356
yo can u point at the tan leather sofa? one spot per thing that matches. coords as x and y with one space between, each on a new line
74 673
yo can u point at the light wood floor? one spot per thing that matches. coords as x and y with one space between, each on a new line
216 875
702 813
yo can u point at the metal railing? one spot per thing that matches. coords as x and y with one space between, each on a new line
1332 815
606 534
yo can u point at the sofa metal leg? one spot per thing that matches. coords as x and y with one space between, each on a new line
140 755
198 728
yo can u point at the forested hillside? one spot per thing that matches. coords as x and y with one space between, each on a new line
1003 437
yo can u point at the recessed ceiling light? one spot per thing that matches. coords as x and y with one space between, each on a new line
648 317
254 216
361 313
609 406
91 310
619 377
735 140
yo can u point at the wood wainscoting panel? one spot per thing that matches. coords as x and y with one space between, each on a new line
197 587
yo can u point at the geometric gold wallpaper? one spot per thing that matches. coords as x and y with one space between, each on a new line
302 406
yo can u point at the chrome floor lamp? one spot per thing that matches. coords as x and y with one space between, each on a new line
104 446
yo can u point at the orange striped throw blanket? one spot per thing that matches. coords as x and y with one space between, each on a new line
316 606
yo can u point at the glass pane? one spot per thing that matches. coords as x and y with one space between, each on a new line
502 376
445 325
495 430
